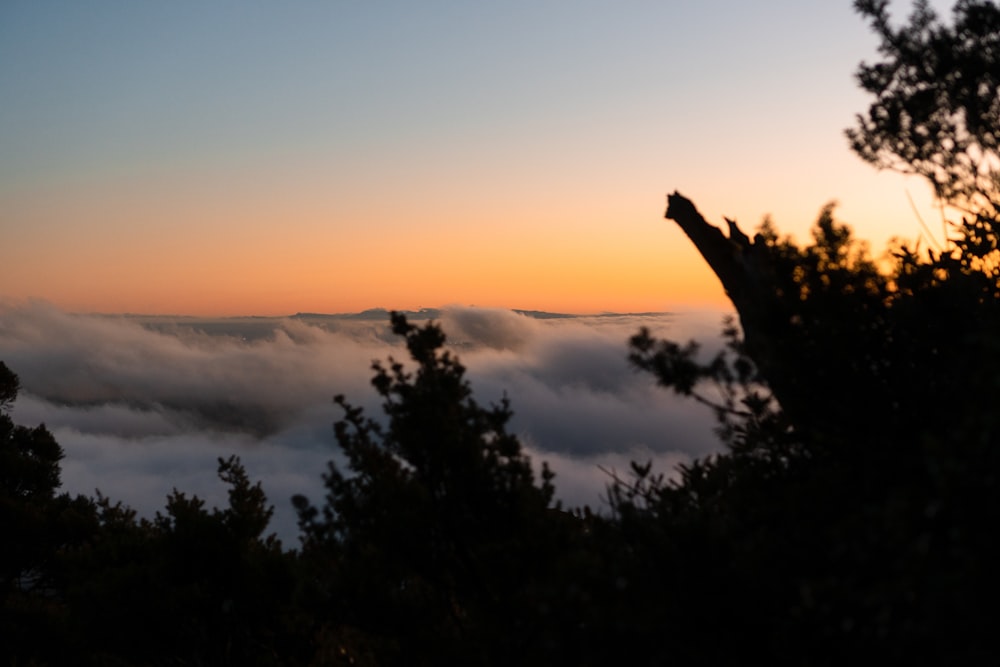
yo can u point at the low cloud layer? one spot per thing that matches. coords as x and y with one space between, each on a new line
144 405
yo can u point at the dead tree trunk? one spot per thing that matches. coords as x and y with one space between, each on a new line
745 268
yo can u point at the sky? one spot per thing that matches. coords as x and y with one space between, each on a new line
261 158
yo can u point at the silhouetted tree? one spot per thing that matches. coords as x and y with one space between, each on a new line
83 581
29 467
190 586
35 525
435 545
936 109
857 405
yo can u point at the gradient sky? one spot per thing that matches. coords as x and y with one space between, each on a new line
268 158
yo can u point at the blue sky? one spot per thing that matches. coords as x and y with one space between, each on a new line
184 144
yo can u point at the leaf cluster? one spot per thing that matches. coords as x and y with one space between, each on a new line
432 535
936 108
84 581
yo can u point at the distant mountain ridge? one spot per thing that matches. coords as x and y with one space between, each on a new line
382 314
256 327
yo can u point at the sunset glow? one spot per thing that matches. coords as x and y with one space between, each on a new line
255 159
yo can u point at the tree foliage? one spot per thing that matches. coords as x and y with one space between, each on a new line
84 581
936 107
857 402
430 545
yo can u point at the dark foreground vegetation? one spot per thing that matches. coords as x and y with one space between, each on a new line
852 517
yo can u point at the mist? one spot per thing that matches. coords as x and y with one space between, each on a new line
143 405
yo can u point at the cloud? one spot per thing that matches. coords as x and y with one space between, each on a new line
144 405
194 380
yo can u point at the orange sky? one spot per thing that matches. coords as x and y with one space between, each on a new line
277 161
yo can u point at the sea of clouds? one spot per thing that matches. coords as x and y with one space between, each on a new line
143 405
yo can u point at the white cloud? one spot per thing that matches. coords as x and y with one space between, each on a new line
144 406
